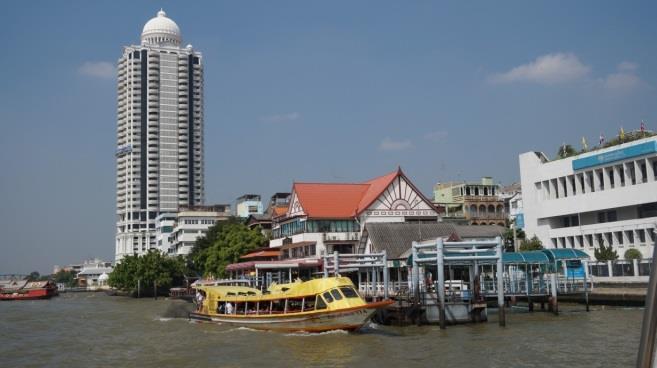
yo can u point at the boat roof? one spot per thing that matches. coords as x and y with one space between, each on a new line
296 289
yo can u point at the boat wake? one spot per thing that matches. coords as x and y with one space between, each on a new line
304 334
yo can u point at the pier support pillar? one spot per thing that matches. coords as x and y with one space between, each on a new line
500 282
440 282
415 283
386 277
553 291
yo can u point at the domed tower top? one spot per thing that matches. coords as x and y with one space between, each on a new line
161 31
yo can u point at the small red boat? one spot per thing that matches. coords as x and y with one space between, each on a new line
28 290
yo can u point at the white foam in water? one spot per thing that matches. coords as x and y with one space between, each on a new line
332 332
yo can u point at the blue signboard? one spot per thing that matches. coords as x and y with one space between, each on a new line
615 155
520 221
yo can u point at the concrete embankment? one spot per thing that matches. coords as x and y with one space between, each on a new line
614 293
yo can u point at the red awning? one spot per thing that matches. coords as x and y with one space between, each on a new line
262 253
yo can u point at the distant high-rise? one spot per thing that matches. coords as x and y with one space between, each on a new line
159 153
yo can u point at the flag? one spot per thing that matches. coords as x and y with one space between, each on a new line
563 150
602 139
584 145
621 135
643 126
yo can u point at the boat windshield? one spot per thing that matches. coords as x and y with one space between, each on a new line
336 294
328 297
349 292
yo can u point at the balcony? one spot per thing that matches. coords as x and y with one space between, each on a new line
340 237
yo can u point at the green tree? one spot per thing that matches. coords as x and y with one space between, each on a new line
65 277
566 150
151 269
224 243
508 238
632 254
531 244
33 276
605 253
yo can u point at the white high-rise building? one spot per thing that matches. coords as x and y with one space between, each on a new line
159 133
603 197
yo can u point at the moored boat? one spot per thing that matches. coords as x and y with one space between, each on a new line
28 290
312 306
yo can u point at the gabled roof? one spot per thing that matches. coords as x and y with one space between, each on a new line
376 187
278 211
342 200
330 200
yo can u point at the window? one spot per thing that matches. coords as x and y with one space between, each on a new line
336 294
611 216
642 236
602 180
349 292
619 236
319 303
648 210
328 297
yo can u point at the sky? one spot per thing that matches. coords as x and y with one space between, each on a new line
337 91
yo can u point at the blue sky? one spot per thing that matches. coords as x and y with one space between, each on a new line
314 91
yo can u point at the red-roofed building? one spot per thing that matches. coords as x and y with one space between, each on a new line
326 217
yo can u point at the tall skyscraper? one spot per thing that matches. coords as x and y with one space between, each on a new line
159 153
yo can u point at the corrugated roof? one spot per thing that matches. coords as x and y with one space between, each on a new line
479 231
397 238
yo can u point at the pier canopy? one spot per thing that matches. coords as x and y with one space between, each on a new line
530 257
565 254
545 256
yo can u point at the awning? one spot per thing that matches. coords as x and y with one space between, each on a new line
282 264
262 253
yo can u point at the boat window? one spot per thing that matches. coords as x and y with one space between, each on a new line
319 304
349 292
336 294
309 304
294 305
278 306
328 297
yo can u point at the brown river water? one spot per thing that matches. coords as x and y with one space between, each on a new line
95 330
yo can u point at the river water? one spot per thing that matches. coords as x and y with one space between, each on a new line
95 330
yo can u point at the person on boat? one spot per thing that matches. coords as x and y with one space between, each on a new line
229 308
199 300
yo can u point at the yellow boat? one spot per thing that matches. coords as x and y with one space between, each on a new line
310 306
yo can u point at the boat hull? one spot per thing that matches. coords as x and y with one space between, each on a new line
348 319
29 294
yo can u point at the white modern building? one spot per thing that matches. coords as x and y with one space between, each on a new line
193 223
248 204
159 133
512 197
164 224
607 196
